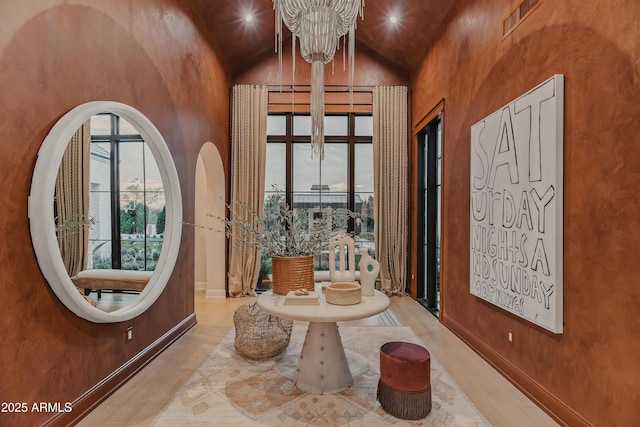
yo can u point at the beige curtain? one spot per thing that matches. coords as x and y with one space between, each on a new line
72 201
390 160
248 154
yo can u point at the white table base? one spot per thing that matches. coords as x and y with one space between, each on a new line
322 367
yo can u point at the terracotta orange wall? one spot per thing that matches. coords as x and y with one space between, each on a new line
590 373
369 70
54 56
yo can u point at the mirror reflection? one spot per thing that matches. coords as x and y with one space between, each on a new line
109 209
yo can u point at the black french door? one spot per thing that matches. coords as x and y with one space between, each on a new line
429 214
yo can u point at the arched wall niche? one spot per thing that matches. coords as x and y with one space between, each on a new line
210 255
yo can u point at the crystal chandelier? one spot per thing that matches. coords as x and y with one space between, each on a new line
319 24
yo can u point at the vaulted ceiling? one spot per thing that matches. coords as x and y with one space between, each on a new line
239 43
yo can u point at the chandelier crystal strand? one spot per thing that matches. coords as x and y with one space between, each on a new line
319 25
278 14
317 108
293 73
344 57
352 63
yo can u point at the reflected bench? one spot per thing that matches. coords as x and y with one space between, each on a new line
111 279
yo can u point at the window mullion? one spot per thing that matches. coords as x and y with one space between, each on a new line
116 246
144 207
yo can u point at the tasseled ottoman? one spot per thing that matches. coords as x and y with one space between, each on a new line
404 388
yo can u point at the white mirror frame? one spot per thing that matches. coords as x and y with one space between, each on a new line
42 222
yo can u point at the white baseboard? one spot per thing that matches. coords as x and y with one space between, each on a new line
215 293
200 286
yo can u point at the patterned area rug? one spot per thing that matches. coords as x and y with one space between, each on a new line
230 390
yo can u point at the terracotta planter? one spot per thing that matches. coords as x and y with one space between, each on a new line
291 273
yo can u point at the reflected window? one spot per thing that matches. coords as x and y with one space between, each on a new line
126 198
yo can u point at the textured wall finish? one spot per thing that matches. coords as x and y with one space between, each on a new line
369 71
589 374
54 56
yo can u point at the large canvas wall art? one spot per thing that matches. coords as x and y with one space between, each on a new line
516 206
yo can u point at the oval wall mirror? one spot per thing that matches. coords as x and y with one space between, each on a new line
105 211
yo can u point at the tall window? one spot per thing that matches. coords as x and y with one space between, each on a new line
126 198
344 179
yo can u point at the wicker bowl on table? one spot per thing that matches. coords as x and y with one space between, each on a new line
343 293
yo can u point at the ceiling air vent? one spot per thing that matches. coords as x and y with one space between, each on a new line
521 11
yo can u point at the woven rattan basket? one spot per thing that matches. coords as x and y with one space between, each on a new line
260 335
291 273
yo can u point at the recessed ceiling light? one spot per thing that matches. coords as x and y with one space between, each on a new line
393 19
248 17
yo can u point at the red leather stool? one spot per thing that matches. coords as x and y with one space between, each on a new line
404 388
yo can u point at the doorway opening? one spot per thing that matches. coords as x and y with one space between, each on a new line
429 214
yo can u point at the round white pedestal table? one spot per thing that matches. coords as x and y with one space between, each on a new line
322 366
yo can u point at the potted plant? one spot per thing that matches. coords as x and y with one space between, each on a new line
286 235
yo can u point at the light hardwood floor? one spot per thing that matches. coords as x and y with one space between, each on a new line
140 399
